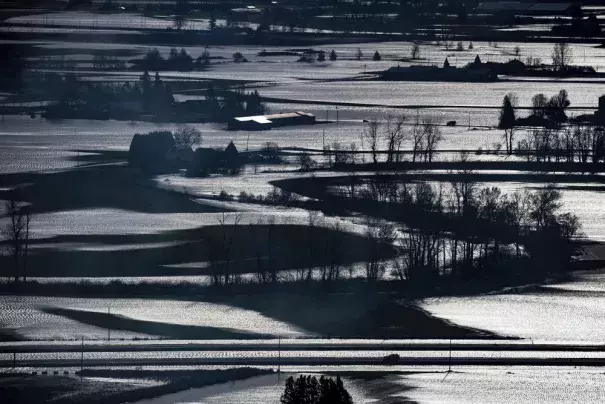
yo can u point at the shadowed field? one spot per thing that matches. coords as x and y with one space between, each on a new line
108 186
253 246
173 331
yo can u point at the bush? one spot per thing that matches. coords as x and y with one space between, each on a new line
245 197
224 195
376 56
306 162
239 58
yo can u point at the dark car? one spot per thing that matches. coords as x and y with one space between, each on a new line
392 359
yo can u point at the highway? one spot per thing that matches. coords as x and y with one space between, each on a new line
294 352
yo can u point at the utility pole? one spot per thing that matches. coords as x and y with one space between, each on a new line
324 139
450 361
108 320
82 358
336 114
278 357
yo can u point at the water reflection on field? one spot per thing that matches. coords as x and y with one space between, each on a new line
571 311
507 385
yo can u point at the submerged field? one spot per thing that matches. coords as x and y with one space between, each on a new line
99 226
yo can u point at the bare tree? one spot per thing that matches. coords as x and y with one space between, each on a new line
561 55
394 136
186 135
358 54
432 136
179 21
415 51
380 235
16 233
272 266
418 139
220 251
371 134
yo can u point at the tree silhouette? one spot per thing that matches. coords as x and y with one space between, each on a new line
415 51
561 56
310 390
507 120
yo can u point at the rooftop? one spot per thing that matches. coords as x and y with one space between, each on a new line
266 119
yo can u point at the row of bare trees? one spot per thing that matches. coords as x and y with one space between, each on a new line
575 143
16 234
459 228
424 136
319 256
550 110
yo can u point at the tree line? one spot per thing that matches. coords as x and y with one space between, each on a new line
546 112
459 228
226 104
576 143
77 98
424 136
16 235
548 139
177 60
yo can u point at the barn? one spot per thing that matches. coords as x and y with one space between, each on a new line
265 122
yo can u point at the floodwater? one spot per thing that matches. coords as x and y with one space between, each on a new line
494 385
262 389
570 311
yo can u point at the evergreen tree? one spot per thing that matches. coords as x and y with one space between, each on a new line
377 56
212 23
309 390
145 84
321 57
333 55
507 120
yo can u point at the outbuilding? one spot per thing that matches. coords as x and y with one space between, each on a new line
265 122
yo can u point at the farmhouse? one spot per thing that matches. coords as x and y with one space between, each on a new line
265 122
208 160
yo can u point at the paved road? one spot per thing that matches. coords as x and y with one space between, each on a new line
294 345
298 353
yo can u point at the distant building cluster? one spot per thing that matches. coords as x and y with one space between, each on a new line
516 7
475 72
158 152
